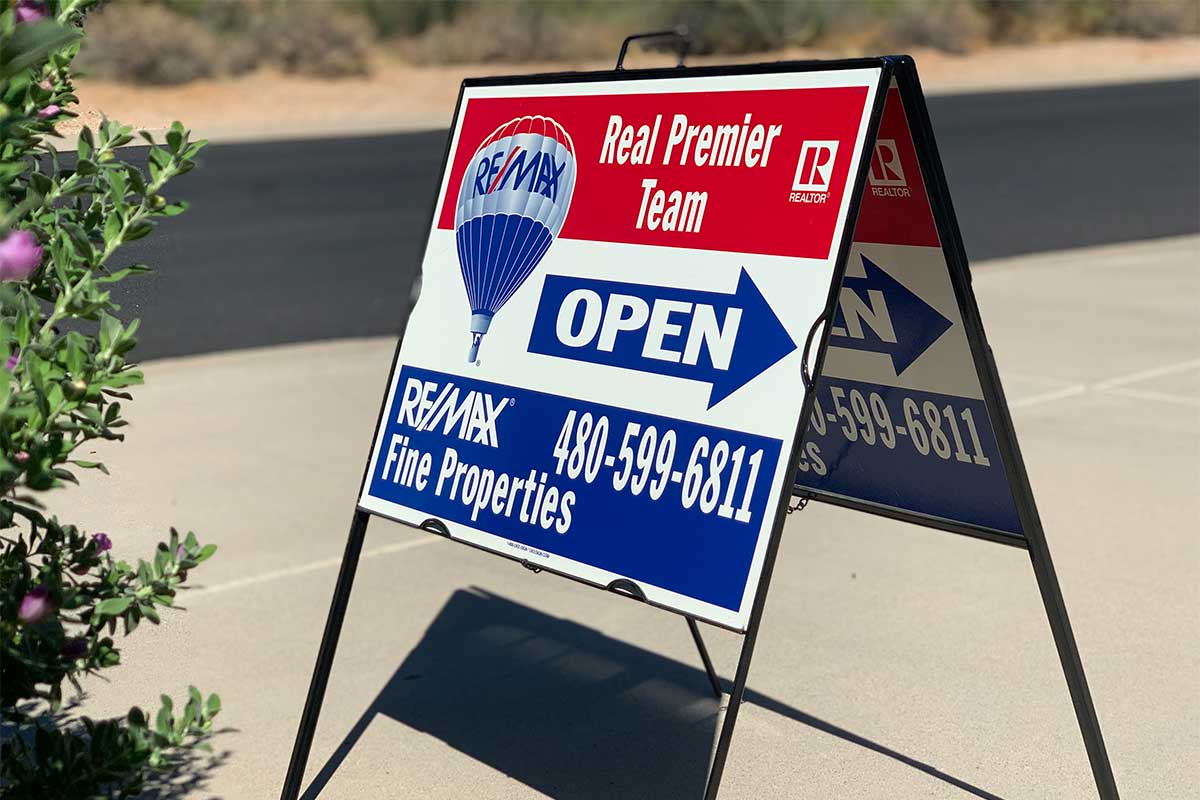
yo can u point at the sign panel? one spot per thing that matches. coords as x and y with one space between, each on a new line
602 376
899 422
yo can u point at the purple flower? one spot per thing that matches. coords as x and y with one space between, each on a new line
35 606
103 543
20 255
21 457
29 10
12 362
75 648
49 111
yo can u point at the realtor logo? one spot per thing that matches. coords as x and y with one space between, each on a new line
885 166
886 176
814 169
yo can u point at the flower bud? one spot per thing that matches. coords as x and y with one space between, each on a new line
49 111
21 457
20 256
13 360
75 389
29 10
103 543
35 606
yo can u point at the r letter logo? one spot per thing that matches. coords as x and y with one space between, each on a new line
887 175
814 172
815 167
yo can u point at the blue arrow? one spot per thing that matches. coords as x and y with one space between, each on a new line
684 333
883 316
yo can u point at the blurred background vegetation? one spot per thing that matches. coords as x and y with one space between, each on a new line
175 41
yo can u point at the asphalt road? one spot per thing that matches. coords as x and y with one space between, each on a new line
307 240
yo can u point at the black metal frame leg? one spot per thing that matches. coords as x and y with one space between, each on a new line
329 641
713 679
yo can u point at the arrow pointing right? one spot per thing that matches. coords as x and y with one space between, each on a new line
878 314
745 318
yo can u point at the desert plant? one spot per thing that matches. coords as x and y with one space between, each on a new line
315 39
150 44
67 366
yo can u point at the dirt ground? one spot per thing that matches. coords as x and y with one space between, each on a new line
400 96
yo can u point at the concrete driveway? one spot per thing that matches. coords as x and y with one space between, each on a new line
894 662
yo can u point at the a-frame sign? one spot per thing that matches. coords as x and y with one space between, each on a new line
636 266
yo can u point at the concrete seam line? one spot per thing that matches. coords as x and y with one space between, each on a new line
1112 386
302 569
1049 397
1162 397
1147 374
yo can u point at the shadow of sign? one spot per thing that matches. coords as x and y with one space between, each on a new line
563 708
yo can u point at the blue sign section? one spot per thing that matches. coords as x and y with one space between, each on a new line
670 503
879 314
927 453
724 340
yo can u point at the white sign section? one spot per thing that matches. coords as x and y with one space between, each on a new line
602 374
900 421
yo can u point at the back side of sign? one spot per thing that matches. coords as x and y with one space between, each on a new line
602 376
900 423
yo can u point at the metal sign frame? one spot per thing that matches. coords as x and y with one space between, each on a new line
903 69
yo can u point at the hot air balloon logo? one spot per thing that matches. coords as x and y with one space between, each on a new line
511 205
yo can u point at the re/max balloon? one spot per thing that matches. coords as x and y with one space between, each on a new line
512 203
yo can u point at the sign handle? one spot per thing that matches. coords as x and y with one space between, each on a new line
329 641
680 35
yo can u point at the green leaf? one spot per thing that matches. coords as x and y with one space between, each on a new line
138 229
31 43
110 330
112 228
136 179
79 239
113 606
162 723
86 145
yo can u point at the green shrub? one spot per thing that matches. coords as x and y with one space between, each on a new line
513 33
149 44
323 40
68 365
178 41
953 26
